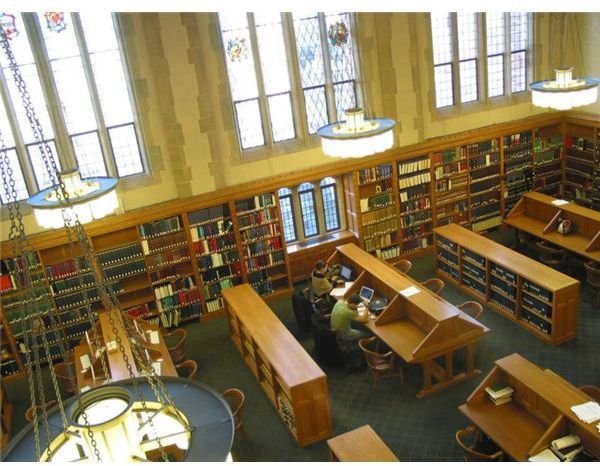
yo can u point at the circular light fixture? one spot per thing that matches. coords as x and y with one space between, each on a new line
564 92
89 199
357 137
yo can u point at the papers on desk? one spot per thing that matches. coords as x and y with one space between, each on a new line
559 202
546 455
411 290
339 292
587 412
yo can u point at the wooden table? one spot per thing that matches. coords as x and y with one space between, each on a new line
361 444
418 328
538 413
538 214
115 362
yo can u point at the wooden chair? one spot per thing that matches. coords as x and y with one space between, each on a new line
39 408
592 391
403 265
236 399
177 349
476 447
66 381
380 364
472 309
436 285
552 256
187 369
592 278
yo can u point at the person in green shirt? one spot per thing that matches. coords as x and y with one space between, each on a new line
344 313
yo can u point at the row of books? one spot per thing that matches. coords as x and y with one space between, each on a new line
388 253
378 242
218 259
536 321
213 245
544 144
518 155
502 301
262 231
125 253
254 203
534 305
474 284
537 290
385 226
448 155
416 231
164 243
209 214
7 282
214 305
518 139
450 169
263 247
415 218
213 290
379 172
72 283
9 367
486 160
376 202
30 259
414 192
414 166
473 271
266 260
479 148
168 298
506 288
207 230
125 270
447 244
376 216
166 258
222 272
486 224
415 204
447 256
410 181
473 257
409 244
160 227
268 214
67 268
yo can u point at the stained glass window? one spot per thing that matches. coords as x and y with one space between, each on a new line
88 91
458 46
260 73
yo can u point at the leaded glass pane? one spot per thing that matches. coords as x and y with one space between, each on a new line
282 122
273 56
518 31
17 176
330 207
310 54
468 81
126 150
249 124
341 46
287 216
495 75
495 33
467 36
238 56
316 108
444 93
99 31
345 98
441 34
518 71
39 168
309 215
89 155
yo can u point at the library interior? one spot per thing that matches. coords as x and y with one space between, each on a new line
264 236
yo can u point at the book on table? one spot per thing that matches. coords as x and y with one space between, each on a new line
567 448
499 391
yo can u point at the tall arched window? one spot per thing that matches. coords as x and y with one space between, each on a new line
306 193
330 203
287 214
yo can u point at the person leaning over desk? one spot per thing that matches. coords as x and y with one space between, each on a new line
344 313
320 282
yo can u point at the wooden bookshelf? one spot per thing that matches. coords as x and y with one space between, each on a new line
535 297
538 413
450 186
547 160
580 163
292 381
517 167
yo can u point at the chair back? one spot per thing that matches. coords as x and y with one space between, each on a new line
550 255
177 349
468 439
236 398
472 309
592 273
403 265
436 285
380 364
187 369
66 378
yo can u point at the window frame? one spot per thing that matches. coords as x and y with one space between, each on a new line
62 138
303 139
484 100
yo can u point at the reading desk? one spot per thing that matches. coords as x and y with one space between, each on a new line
539 412
539 214
115 363
417 325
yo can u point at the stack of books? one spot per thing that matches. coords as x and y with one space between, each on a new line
499 393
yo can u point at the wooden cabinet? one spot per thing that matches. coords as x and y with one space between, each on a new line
361 444
538 298
292 381
538 413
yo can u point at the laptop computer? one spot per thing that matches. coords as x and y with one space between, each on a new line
366 294
346 273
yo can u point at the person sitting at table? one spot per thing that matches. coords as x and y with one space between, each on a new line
343 315
320 281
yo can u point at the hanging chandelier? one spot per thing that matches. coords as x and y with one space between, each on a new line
89 199
356 136
564 92
134 419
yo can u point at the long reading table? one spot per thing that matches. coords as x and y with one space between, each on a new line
114 360
538 214
417 325
538 413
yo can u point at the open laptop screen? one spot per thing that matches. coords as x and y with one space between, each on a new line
346 273
366 294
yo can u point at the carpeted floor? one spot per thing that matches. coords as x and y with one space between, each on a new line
415 430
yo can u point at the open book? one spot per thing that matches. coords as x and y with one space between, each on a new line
567 448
